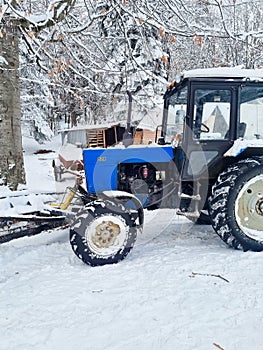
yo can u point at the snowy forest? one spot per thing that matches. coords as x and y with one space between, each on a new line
75 60
173 208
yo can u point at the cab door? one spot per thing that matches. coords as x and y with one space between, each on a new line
209 130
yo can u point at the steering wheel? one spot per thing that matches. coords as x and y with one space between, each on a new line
206 128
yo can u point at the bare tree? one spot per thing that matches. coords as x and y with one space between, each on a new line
18 18
103 48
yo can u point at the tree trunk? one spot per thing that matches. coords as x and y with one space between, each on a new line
11 152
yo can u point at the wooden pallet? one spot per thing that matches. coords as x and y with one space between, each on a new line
96 138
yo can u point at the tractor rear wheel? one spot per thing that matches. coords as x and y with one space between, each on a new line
103 233
236 205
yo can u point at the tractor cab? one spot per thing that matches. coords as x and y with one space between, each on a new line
206 111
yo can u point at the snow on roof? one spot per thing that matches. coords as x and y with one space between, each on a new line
224 72
90 127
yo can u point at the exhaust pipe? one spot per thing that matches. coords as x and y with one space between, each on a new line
127 135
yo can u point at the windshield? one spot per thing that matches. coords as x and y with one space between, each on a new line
176 112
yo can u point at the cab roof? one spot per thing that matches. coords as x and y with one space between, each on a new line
224 72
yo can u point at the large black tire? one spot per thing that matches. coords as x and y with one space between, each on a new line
236 205
103 233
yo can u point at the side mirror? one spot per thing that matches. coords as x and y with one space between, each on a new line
158 133
161 141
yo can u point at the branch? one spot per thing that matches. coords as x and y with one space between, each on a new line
208 274
56 12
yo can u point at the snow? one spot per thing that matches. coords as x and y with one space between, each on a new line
15 205
70 152
240 145
3 60
40 177
90 127
180 287
223 72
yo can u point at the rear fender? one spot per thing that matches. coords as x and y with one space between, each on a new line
240 146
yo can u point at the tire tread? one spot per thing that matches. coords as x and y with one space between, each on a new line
218 201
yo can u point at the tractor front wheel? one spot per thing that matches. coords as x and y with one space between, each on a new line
103 233
236 205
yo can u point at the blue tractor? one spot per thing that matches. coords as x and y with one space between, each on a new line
208 163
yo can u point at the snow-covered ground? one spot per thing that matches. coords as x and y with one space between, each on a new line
180 288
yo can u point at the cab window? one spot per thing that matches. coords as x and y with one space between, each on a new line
176 114
250 113
211 114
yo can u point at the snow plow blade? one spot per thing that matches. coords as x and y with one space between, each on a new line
12 227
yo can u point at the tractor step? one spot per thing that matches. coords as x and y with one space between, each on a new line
190 214
196 197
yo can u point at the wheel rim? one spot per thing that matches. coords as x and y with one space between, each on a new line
106 235
249 208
